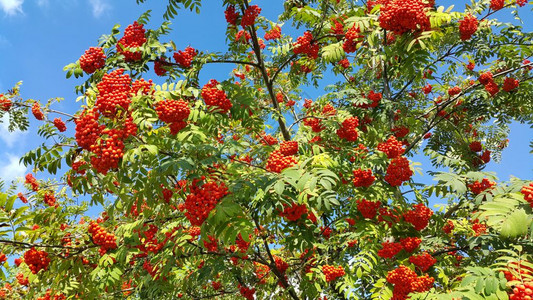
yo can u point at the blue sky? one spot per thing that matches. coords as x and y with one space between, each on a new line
39 37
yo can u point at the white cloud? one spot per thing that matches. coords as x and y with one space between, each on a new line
9 138
11 7
11 168
99 7
43 2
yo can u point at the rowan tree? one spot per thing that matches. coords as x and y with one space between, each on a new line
242 188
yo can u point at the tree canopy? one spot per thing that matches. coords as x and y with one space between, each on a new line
244 189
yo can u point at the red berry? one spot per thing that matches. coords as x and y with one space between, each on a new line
92 60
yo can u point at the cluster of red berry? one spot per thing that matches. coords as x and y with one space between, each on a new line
332 272
400 16
149 242
392 147
5 103
527 191
108 151
314 123
348 129
522 291
477 187
410 244
212 244
32 181
92 60
389 250
49 199
398 171
202 199
174 113
36 111
87 128
231 15
3 258
250 14
134 36
267 139
497 4
293 212
479 228
423 261
102 238
510 84
48 296
281 265
427 89
113 92
448 227
215 97
406 281
288 148
36 260
468 26
353 38
160 66
60 125
454 91
419 216
184 58
247 292
368 209
363 178
487 80
278 162
22 280
306 45
241 243
273 34
261 271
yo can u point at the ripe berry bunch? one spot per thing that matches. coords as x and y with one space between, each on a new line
60 125
288 148
202 199
5 103
247 292
468 26
344 63
113 92
293 212
261 272
367 208
173 111
522 291
22 198
305 45
267 139
278 162
36 111
400 16
375 98
273 34
497 4
212 244
315 124
214 97
353 37
475 146
427 89
398 171
510 84
392 147
134 36
231 15
22 280
36 260
479 228
242 36
454 91
250 14
348 129
102 238
241 243
160 66
410 244
143 86
527 191
400 131
389 250
108 151
184 58
32 181
406 281
87 128
477 187
419 217
281 265
3 258
363 178
423 261
332 272
49 199
92 60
